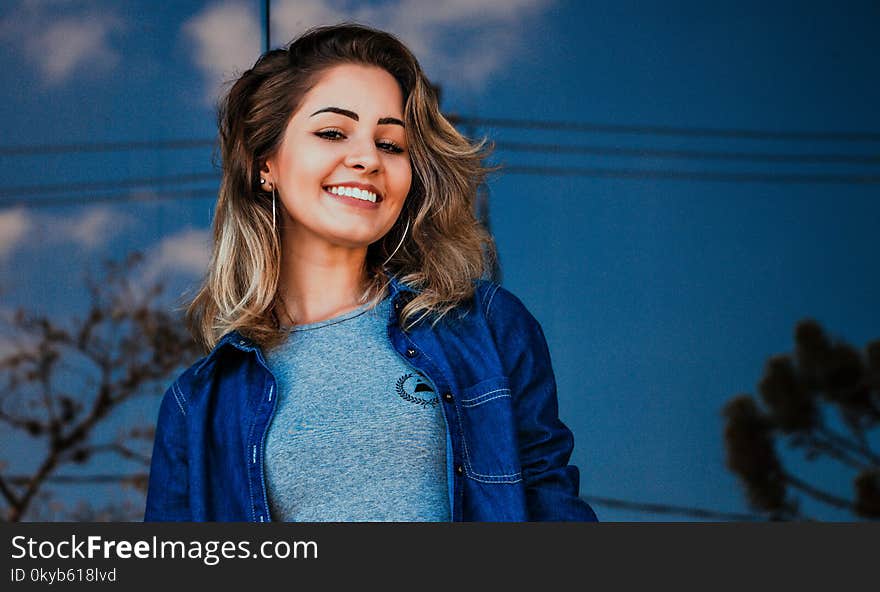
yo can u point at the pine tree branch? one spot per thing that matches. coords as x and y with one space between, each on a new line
858 448
831 449
818 494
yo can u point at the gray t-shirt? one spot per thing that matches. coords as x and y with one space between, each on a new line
358 434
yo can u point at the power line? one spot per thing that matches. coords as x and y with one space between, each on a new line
782 178
669 509
613 151
868 159
74 479
602 501
511 123
37 149
113 198
662 130
606 173
15 195
109 184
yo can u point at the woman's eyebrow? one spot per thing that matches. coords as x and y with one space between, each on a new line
387 120
353 115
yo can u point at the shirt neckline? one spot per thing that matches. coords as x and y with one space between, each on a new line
332 320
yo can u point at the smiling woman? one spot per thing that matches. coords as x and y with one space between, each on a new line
358 367
328 157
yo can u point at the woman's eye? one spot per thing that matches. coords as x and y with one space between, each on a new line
330 134
391 147
335 135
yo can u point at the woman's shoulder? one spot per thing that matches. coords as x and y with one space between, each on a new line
186 380
498 303
513 328
204 368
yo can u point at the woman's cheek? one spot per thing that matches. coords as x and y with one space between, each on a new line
404 179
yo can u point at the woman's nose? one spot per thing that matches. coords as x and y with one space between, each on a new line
364 156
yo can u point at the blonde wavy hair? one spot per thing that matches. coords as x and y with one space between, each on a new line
443 252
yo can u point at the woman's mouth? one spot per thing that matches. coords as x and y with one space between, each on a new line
354 196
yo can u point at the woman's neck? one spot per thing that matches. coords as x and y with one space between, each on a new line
319 283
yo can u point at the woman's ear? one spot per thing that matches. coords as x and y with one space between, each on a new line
267 181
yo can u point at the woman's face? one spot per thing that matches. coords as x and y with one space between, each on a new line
343 148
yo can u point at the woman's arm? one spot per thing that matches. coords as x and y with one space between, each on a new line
545 443
168 490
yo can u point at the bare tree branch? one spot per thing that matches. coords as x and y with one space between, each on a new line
79 479
132 344
8 494
121 450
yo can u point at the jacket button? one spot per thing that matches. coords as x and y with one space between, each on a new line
448 397
410 352
459 469
397 306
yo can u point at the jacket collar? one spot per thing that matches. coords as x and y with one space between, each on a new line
235 339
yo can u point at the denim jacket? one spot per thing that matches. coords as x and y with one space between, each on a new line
507 451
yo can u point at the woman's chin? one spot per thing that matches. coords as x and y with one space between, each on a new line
354 240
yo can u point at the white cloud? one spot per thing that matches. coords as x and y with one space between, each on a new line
458 42
227 40
62 38
186 253
93 227
292 18
14 226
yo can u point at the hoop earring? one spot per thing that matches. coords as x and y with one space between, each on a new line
403 236
273 208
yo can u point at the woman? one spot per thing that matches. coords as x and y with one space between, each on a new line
358 368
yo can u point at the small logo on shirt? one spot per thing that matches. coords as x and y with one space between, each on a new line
415 389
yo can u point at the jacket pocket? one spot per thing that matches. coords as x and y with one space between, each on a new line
489 432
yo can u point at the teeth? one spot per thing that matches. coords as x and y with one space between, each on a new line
354 192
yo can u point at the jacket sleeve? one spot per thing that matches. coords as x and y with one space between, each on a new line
545 443
168 489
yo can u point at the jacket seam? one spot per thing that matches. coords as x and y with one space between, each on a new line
179 397
504 392
467 460
502 478
491 297
484 398
250 469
